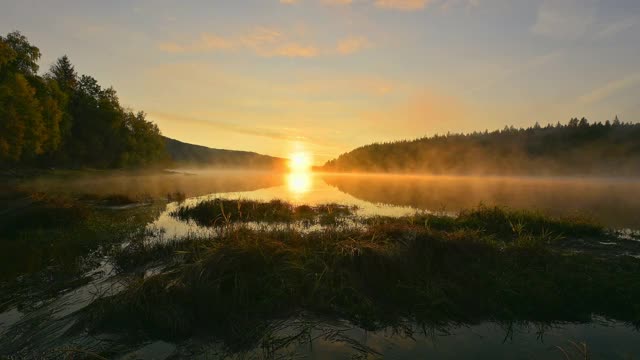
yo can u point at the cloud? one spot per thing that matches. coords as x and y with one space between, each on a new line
352 45
399 5
615 28
416 5
261 36
325 2
265 42
446 5
206 42
337 2
291 50
181 120
607 90
252 137
565 19
403 5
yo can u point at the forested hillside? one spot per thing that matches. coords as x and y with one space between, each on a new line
577 148
201 156
63 119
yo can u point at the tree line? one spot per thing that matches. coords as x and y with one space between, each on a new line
611 148
62 119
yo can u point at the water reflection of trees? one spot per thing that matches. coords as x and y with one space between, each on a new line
606 201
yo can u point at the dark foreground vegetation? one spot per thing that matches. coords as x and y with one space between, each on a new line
487 264
265 262
220 212
577 148
58 236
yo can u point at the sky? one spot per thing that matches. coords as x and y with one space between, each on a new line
326 76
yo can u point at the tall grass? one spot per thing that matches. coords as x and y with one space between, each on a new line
219 212
486 264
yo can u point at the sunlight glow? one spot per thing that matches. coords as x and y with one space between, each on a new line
300 161
299 182
299 178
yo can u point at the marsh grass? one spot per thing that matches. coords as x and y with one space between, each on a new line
505 224
47 241
488 264
40 211
220 212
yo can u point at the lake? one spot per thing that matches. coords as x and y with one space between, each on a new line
613 202
43 294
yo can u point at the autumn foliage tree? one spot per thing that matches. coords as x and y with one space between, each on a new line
62 119
28 114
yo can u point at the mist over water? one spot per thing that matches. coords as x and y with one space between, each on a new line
614 202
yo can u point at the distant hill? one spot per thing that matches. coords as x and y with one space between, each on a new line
201 156
578 148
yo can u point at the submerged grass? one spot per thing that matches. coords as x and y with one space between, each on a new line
485 264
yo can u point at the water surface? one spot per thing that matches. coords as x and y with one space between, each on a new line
37 318
614 202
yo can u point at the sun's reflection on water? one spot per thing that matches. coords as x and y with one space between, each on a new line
300 178
299 182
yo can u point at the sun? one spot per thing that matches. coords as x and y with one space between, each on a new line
300 162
